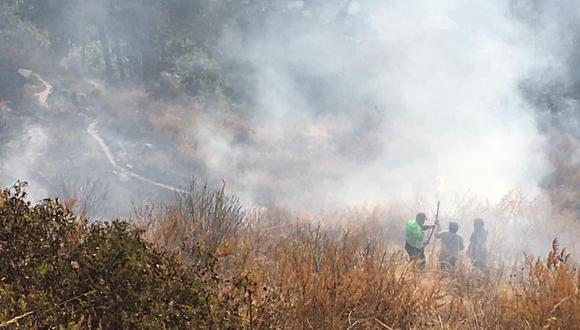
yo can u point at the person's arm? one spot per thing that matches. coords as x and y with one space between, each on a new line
438 232
427 227
461 246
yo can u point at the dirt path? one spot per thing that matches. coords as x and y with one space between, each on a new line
92 130
43 95
41 98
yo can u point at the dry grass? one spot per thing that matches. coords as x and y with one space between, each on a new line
269 269
198 225
293 272
333 278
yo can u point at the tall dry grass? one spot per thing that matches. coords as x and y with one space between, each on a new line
348 271
200 222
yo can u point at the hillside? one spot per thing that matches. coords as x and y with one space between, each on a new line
256 164
206 262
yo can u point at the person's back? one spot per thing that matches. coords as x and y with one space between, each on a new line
414 234
451 244
414 244
477 250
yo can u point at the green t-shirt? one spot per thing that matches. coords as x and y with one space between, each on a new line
414 234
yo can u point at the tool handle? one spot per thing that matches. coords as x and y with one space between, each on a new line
436 224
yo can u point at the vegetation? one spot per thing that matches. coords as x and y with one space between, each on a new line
132 41
203 260
170 270
59 270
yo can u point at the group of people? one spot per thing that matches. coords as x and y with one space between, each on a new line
451 242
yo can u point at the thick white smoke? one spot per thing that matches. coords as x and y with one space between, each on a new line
381 99
22 153
345 102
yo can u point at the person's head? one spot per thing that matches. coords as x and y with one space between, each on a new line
420 218
453 227
478 224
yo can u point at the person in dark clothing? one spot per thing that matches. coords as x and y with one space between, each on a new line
477 250
451 244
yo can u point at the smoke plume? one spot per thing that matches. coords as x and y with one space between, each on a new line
327 104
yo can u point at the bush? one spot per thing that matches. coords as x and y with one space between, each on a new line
548 295
59 270
199 222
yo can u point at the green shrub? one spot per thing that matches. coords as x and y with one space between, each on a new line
58 270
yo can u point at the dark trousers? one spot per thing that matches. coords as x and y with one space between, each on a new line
447 263
416 254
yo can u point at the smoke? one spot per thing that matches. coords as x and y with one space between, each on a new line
381 99
328 104
23 151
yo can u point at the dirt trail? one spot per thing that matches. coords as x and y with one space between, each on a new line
41 98
92 130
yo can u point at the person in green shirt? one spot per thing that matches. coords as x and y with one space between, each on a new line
414 239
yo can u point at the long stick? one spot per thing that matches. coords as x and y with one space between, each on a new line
436 219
